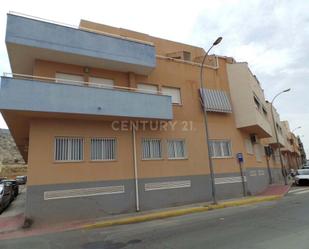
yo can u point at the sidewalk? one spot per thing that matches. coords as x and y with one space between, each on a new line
272 193
275 190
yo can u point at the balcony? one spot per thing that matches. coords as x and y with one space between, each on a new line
29 38
249 105
24 93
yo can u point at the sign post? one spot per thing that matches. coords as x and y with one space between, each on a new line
240 159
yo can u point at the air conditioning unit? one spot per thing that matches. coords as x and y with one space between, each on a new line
254 138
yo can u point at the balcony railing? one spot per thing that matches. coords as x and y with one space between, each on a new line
78 83
43 94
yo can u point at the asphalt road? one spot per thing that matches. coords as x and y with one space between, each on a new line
272 225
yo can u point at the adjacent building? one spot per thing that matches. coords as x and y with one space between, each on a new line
110 121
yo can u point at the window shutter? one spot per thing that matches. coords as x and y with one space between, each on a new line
63 77
147 88
105 82
174 93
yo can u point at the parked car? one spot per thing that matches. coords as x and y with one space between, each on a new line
15 186
2 178
21 180
6 195
302 177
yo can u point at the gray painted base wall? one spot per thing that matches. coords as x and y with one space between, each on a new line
257 180
200 191
79 208
277 176
228 190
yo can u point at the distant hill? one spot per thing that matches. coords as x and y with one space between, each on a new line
9 153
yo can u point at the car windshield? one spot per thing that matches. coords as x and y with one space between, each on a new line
303 172
1 187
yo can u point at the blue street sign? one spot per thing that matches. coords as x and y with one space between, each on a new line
240 157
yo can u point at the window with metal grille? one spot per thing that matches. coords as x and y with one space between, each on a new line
69 149
152 148
103 149
176 149
220 148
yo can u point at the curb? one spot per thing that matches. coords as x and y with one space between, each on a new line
179 212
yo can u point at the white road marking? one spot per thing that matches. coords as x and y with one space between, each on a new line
297 190
302 192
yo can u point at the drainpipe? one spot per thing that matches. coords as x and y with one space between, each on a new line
135 169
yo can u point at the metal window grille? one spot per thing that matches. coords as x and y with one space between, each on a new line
220 148
152 148
103 149
176 149
69 149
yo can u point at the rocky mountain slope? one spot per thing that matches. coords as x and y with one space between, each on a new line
8 151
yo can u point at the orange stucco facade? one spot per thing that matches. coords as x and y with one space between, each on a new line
167 73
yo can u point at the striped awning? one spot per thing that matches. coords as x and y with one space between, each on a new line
215 100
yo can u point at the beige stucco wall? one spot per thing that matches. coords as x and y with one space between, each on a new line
243 86
272 139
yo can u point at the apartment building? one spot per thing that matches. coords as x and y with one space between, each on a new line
253 120
290 151
110 120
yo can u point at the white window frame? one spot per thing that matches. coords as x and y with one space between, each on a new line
151 149
222 141
69 149
113 150
176 157
173 98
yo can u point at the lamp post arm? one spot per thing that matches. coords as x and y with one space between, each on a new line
202 65
275 97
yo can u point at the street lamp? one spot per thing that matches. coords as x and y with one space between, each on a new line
212 176
296 128
276 133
